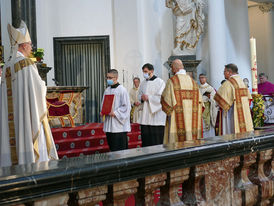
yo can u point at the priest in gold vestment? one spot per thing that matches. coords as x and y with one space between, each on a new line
233 98
24 130
182 102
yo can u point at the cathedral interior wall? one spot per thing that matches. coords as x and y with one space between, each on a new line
142 31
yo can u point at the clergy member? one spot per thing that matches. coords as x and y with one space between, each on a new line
152 118
25 133
265 87
182 102
233 98
117 123
135 103
211 109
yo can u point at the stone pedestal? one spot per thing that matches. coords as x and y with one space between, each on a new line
190 64
43 70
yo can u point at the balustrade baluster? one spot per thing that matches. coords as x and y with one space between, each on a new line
245 190
169 192
148 186
57 200
260 174
118 193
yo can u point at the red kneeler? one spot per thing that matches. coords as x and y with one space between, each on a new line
59 109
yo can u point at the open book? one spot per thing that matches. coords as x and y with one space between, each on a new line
107 104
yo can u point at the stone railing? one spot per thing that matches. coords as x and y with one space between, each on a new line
227 170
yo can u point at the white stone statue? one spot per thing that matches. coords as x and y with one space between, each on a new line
189 25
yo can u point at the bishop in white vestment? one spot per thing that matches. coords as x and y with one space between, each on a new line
152 118
210 109
117 123
25 133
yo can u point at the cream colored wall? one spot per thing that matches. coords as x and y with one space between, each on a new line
262 29
142 34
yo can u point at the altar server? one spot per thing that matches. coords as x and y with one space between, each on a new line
211 109
117 122
152 118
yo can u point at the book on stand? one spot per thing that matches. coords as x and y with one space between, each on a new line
107 104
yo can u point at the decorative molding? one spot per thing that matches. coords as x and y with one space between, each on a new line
264 7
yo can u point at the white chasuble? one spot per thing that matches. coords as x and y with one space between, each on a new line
121 109
152 113
25 133
182 102
233 97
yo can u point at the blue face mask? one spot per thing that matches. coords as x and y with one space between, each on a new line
110 82
146 75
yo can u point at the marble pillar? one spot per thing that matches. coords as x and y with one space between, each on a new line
217 41
16 12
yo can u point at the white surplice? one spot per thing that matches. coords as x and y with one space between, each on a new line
23 107
121 109
152 113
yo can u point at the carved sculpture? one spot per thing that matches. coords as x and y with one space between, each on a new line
189 25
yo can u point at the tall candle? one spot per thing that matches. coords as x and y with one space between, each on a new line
253 66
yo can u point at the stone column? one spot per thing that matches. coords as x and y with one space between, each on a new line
28 14
217 41
16 13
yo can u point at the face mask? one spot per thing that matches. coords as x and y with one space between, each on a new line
110 82
146 75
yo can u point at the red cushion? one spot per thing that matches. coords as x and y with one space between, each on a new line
52 100
58 111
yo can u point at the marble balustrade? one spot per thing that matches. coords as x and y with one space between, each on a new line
227 170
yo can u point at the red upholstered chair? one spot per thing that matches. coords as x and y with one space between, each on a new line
59 109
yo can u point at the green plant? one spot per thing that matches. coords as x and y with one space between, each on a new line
258 110
39 53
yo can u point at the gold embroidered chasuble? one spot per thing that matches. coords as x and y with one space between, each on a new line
23 114
233 92
182 102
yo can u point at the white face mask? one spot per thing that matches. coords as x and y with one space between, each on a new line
146 75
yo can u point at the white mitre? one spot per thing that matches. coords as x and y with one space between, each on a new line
19 35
